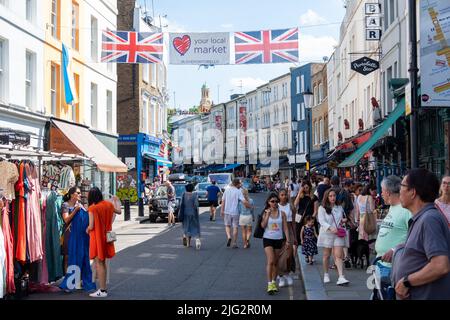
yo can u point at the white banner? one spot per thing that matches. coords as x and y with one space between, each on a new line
435 53
199 48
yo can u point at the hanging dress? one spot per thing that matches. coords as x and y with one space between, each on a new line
33 215
2 265
9 250
53 233
79 252
20 237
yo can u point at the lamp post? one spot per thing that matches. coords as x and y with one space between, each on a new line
307 98
294 133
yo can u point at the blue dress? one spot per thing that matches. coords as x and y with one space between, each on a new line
79 253
189 212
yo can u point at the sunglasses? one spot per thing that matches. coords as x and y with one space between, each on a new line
274 201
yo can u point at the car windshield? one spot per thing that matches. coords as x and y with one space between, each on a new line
161 191
220 178
180 189
202 186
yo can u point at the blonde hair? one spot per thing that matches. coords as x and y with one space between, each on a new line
245 193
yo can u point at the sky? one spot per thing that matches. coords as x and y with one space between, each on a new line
318 22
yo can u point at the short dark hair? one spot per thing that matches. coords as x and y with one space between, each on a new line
366 189
69 194
236 181
335 181
425 183
189 187
213 181
94 196
348 183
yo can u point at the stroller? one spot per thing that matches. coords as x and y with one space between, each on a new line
380 281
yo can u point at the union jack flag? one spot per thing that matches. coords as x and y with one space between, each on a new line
267 46
132 47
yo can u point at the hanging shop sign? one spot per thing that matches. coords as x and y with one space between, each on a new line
373 21
435 53
365 65
199 48
8 136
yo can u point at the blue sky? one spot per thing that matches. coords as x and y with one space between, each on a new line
245 15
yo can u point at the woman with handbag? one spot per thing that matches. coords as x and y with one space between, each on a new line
364 214
305 204
189 217
101 244
332 235
275 227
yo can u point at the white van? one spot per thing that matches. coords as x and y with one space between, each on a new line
222 179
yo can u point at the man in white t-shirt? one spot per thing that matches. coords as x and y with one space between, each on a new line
230 210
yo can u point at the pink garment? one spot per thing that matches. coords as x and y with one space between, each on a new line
9 248
33 215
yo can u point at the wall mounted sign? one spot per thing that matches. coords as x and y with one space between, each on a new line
373 21
365 65
8 136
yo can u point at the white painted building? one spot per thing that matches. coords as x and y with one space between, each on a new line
22 69
349 92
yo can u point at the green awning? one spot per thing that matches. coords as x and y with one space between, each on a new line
378 133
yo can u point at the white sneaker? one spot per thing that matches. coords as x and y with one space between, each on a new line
282 282
342 281
99 294
290 281
326 278
198 244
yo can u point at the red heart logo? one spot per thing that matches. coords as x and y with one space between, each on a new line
182 45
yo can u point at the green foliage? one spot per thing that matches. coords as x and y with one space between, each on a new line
129 194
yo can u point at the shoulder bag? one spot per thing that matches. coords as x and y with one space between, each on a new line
341 232
259 231
370 221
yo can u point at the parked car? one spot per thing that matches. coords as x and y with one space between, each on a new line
222 179
200 189
158 205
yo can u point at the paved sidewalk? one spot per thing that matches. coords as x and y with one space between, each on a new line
120 222
316 290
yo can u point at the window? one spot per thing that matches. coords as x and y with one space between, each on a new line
299 112
275 118
145 115
390 13
339 84
152 125
54 89
303 111
321 132
275 93
154 72
3 65
94 38
285 113
75 28
389 94
316 133
321 97
340 124
298 85
29 10
303 83
145 72
109 111
94 110
76 106
316 96
30 67
54 16
285 139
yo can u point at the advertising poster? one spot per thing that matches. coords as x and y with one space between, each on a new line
435 53
242 125
199 48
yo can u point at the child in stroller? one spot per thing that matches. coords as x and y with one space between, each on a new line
380 281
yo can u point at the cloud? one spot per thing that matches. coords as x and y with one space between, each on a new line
227 25
311 18
248 83
315 48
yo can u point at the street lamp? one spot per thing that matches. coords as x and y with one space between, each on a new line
294 133
307 98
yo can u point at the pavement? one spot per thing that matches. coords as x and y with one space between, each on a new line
152 263
315 289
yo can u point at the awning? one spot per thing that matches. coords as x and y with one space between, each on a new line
228 167
160 161
349 145
378 133
91 147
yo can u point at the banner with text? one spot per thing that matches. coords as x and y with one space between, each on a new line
435 53
199 48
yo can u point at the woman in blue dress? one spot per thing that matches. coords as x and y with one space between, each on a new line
189 215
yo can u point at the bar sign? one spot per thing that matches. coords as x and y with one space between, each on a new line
373 34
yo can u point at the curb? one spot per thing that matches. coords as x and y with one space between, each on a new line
312 280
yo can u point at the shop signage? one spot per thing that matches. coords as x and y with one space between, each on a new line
60 143
365 65
14 137
373 21
128 138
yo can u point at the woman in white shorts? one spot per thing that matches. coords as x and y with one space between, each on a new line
331 216
246 219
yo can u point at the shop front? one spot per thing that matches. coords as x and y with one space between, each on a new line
100 168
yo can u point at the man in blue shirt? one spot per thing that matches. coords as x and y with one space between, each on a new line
213 192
